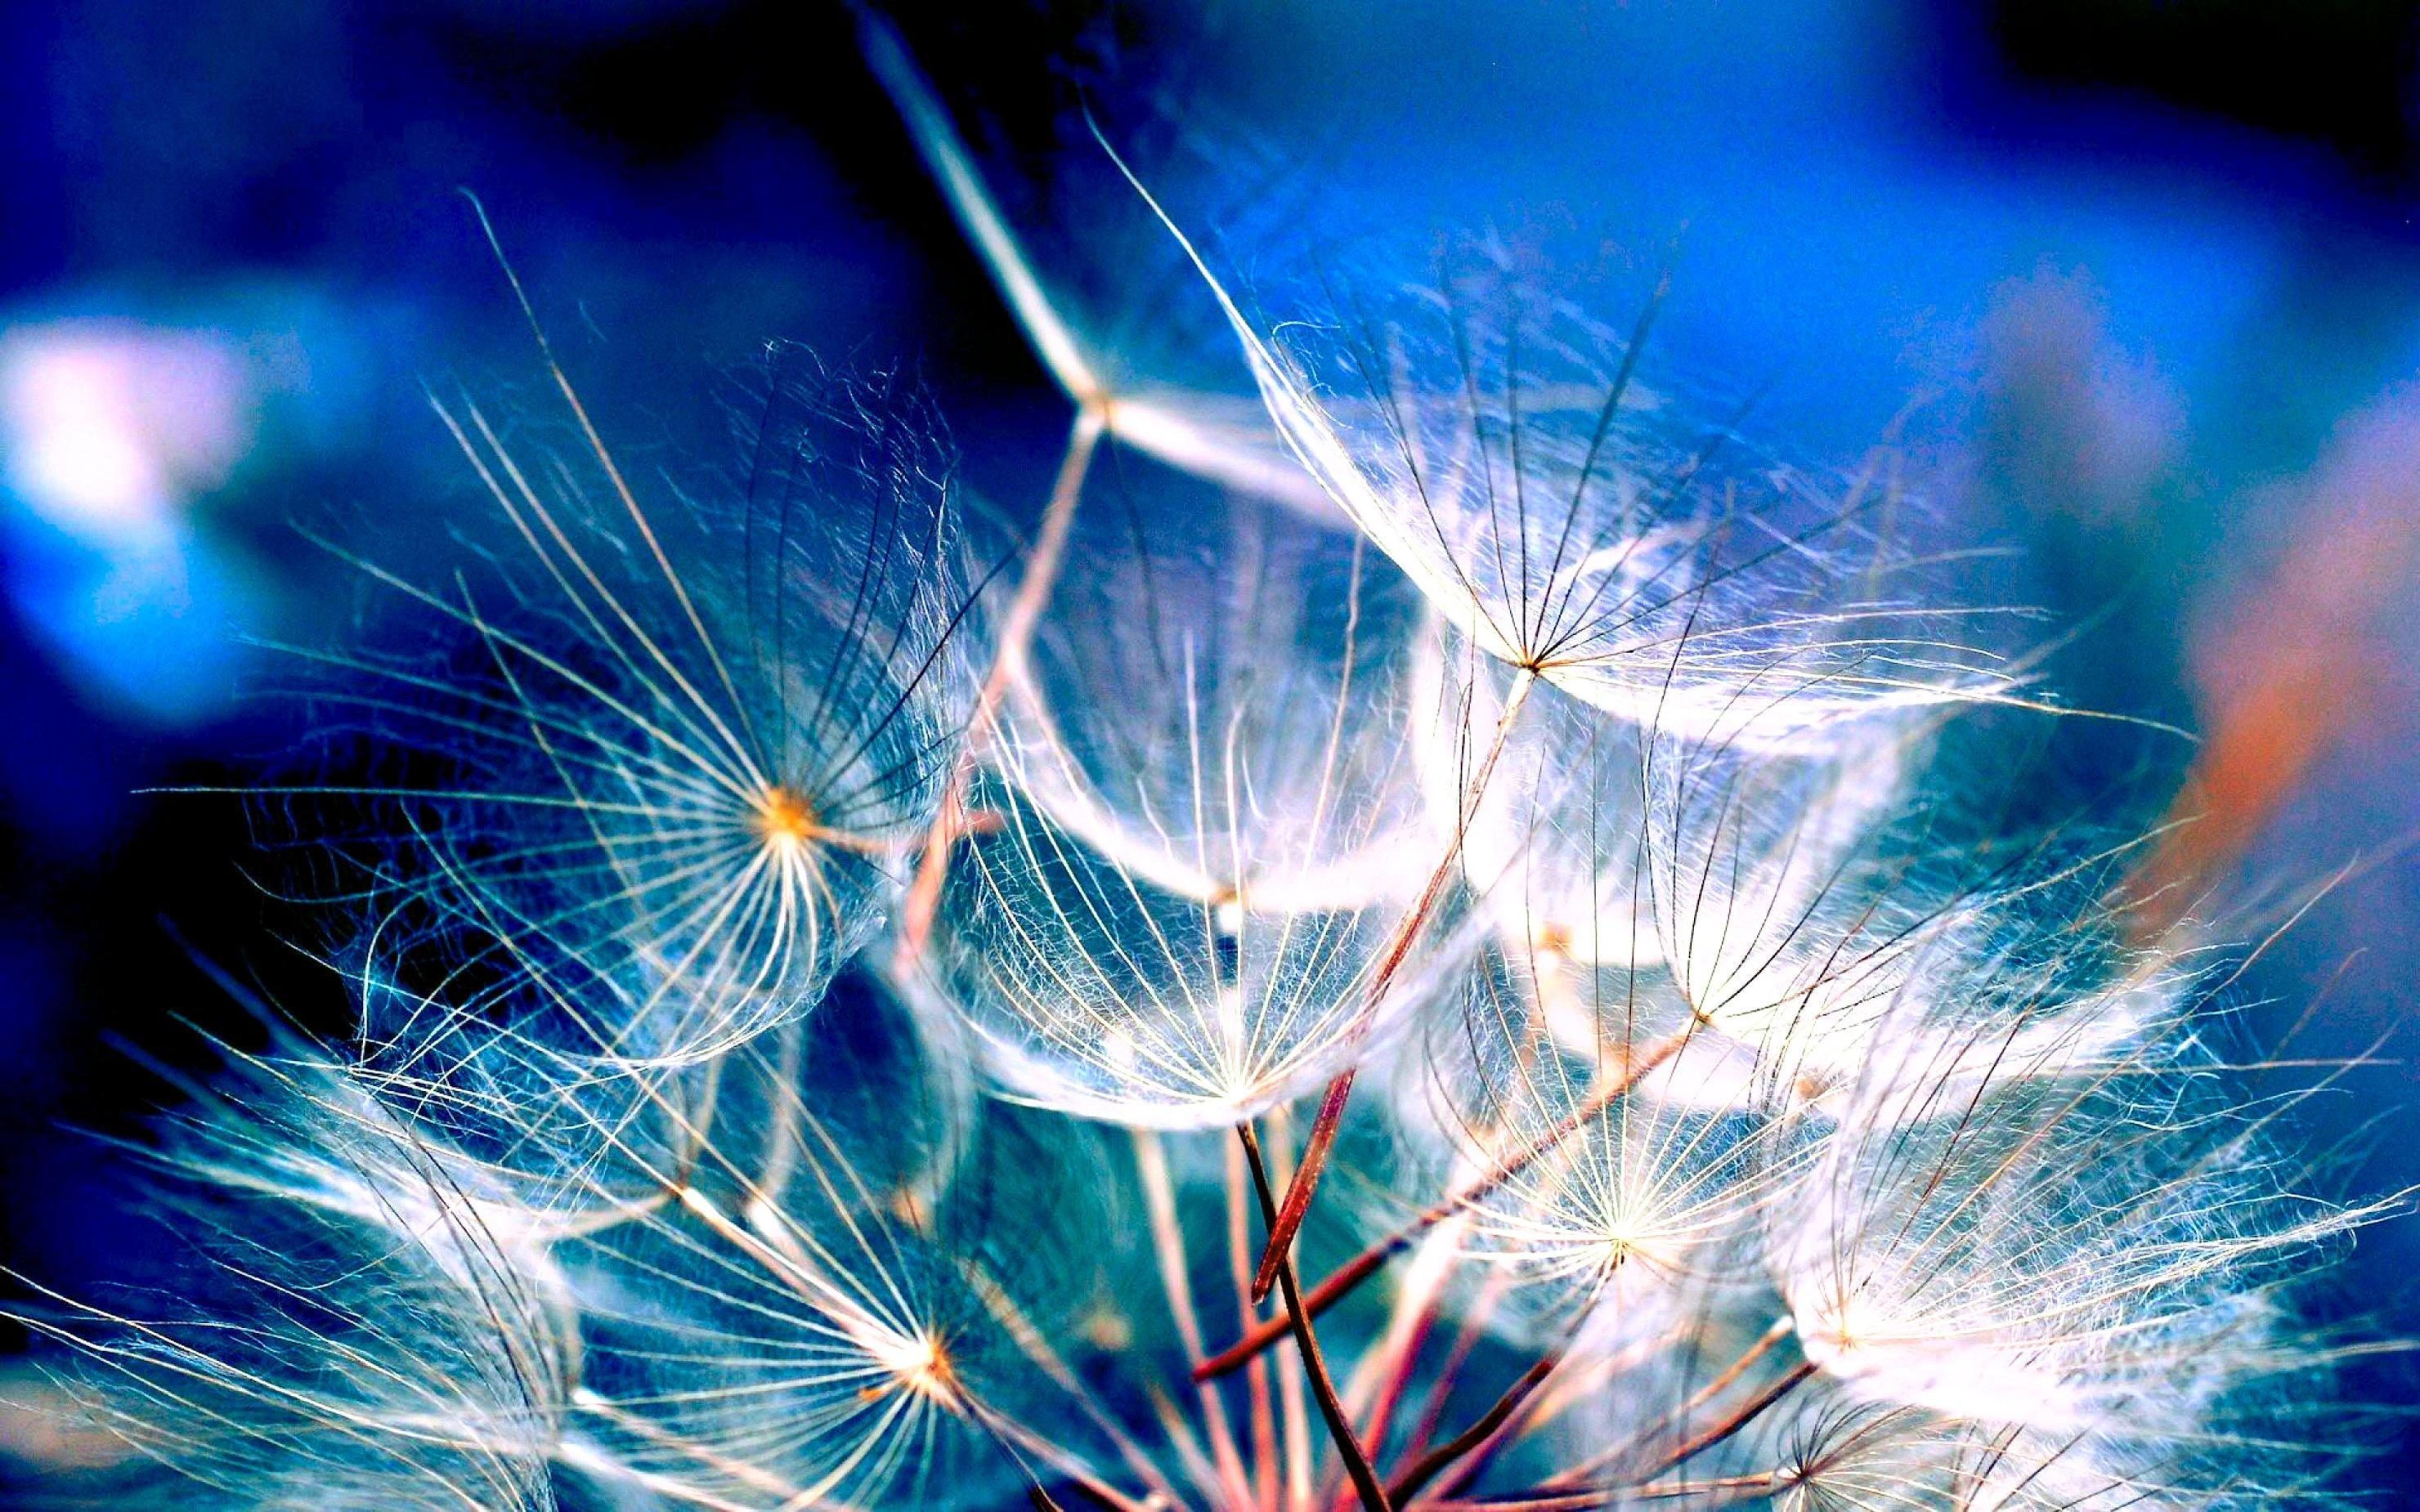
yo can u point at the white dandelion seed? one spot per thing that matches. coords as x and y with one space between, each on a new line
688 746
2096 1255
1782 916
819 1312
360 1320
1630 1188
1554 845
1202 843
1110 309
1478 436
1759 1119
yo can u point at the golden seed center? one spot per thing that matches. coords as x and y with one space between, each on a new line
784 817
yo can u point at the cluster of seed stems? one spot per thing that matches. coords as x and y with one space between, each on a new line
1583 584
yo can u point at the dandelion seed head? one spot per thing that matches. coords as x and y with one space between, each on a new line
787 821
1625 1175
355 1321
1552 846
1750 1113
1200 848
2005 1267
694 724
791 1321
1478 436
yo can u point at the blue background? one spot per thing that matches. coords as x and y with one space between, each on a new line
2138 282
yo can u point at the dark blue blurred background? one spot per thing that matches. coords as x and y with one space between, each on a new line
2138 280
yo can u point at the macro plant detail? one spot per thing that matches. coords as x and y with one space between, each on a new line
1430 943
694 741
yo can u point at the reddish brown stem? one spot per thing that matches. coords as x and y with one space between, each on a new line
1033 591
1433 1411
1587 1499
1322 1139
1409 1482
1390 1395
1315 1150
1323 1386
1362 1266
1240 1206
1578 1474
1748 1413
